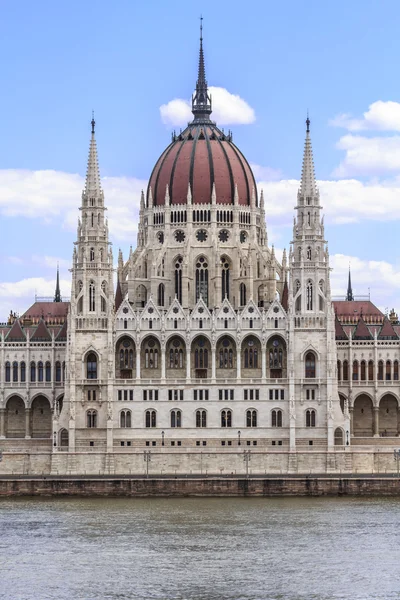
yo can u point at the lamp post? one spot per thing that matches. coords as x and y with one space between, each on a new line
397 459
162 438
246 459
347 437
147 459
239 434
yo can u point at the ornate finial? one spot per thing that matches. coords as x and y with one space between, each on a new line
93 122
57 295
201 100
308 123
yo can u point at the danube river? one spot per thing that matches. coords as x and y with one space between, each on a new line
203 549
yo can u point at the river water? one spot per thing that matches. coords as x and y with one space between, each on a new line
199 549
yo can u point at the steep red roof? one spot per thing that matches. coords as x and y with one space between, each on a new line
387 332
42 334
339 331
355 308
16 333
362 332
47 310
62 334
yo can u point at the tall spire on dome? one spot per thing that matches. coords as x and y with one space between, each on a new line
201 100
349 296
57 295
93 184
308 185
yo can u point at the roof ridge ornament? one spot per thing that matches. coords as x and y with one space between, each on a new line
201 99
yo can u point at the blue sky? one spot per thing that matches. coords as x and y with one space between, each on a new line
127 59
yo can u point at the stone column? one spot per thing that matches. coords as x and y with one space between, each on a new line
188 363
238 361
2 423
398 421
213 369
163 348
263 361
27 423
351 414
137 363
376 421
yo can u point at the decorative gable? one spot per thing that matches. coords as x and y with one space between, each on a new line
275 316
16 333
226 316
251 316
201 316
125 316
41 334
175 317
150 317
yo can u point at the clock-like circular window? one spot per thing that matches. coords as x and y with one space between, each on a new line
201 235
223 235
179 236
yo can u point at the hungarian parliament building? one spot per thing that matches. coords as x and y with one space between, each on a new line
210 355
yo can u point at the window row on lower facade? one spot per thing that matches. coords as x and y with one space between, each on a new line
38 372
200 419
199 394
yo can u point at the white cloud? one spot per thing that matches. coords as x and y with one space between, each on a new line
55 196
227 109
344 201
368 155
381 116
266 173
380 278
19 295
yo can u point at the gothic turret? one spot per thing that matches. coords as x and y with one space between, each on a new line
57 295
349 295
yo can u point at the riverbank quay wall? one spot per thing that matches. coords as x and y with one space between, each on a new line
315 486
351 460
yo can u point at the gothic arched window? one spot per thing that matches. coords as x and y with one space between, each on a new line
310 365
308 253
92 294
310 418
176 418
161 293
48 371
40 371
201 418
91 255
125 418
225 290
91 418
226 418
309 295
225 354
178 278
91 366
251 418
23 372
58 371
33 371
15 371
242 294
202 279
151 418
276 418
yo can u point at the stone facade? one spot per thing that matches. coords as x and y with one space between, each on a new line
211 350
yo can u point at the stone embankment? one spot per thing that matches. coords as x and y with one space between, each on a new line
179 486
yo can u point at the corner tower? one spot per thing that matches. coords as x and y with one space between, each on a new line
89 350
314 401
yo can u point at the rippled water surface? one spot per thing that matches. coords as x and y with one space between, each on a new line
201 549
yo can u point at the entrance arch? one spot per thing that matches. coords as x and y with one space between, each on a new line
63 438
15 418
388 415
41 418
363 418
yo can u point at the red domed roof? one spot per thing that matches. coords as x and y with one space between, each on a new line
200 156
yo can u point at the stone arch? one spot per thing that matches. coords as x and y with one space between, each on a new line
141 296
225 357
251 357
363 418
175 357
59 404
150 358
63 438
388 408
125 358
276 357
200 351
41 417
339 436
15 417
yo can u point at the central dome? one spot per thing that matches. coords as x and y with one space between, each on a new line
200 157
